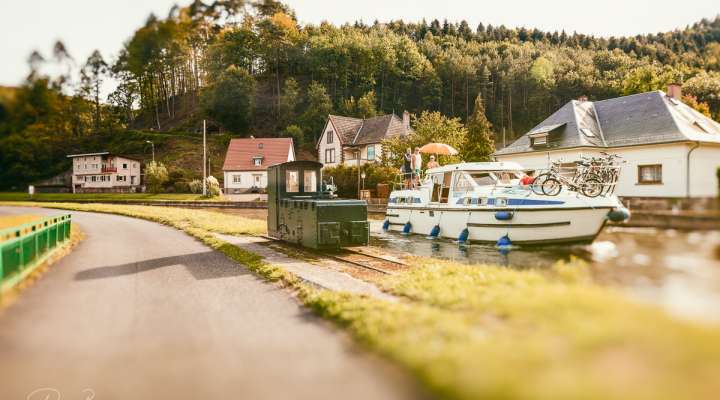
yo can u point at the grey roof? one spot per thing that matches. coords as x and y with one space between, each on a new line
357 131
644 118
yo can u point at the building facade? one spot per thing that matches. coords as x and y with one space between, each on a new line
350 141
105 172
246 162
668 149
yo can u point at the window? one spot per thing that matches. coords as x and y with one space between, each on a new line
92 178
124 166
237 178
649 174
483 178
538 140
310 181
371 153
257 161
462 183
330 137
329 156
292 181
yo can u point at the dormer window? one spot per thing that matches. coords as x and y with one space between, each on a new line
260 145
257 161
538 139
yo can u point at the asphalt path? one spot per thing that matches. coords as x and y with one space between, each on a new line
142 311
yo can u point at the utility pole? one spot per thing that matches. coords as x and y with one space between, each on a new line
204 159
358 181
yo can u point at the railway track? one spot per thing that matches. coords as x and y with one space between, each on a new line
353 257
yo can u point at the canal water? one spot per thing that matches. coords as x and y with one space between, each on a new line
675 269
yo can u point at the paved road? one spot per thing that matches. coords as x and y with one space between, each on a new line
142 311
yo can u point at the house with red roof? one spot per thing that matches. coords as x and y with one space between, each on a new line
247 159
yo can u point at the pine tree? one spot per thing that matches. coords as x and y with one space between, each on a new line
479 144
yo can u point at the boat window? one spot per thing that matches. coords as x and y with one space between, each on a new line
410 200
483 178
292 181
400 200
467 201
463 183
310 181
483 201
501 202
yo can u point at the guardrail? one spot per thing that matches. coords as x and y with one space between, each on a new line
24 247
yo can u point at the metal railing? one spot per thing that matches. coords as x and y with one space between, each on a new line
25 246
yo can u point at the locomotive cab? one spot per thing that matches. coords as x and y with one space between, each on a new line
301 211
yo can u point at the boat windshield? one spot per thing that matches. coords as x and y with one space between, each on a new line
507 178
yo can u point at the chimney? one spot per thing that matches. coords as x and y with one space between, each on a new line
582 99
675 91
406 119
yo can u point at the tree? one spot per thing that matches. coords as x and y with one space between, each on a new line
318 107
702 108
229 100
366 105
478 145
430 127
92 77
296 133
156 175
289 101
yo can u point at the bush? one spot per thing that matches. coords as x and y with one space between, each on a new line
213 186
195 186
180 187
346 178
156 175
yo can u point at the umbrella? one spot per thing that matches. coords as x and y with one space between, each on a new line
438 148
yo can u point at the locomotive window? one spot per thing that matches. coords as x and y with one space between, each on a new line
292 181
310 181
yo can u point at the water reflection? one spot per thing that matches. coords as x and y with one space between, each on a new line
678 270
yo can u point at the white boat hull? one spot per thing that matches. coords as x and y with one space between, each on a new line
526 227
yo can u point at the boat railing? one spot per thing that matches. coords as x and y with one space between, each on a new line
410 180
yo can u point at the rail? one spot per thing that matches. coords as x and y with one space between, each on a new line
24 247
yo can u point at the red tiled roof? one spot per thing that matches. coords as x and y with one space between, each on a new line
241 152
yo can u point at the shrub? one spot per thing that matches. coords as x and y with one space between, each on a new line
156 175
346 177
213 186
195 186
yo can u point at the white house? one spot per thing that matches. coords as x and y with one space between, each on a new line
104 172
246 162
669 149
344 139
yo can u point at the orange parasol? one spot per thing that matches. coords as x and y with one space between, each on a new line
439 148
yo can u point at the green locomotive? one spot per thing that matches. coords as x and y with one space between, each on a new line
301 211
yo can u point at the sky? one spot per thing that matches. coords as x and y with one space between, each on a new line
86 25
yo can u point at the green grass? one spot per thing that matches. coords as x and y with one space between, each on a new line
484 331
19 196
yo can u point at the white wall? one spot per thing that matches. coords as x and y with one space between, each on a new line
247 180
350 159
323 145
704 162
672 157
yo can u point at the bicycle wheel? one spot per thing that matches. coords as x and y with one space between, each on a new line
551 187
536 186
592 187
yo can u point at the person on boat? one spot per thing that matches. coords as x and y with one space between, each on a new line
417 166
528 179
407 167
432 163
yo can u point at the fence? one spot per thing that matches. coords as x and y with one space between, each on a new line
25 246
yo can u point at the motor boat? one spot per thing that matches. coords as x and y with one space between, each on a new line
485 202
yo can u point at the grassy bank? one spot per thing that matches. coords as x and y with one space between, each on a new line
491 332
70 197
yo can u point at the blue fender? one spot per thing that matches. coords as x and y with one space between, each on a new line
504 215
618 214
435 231
407 227
464 235
504 241
386 225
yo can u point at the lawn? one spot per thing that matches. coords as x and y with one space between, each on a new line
19 196
485 331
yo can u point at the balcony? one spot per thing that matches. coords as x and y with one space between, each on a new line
106 170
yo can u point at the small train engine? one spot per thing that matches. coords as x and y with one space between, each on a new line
301 211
